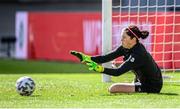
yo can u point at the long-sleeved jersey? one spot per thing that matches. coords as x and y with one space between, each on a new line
136 59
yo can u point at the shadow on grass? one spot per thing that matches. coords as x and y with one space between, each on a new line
35 95
171 94
118 94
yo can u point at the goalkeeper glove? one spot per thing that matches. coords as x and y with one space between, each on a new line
94 66
82 57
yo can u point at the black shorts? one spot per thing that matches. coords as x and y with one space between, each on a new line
149 88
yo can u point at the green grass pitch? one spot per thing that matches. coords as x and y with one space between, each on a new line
71 85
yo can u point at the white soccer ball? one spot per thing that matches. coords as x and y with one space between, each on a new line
25 86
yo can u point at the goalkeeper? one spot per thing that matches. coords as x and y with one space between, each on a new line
148 76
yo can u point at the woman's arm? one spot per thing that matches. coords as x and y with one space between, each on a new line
131 63
110 56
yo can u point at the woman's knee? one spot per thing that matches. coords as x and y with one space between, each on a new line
121 88
112 88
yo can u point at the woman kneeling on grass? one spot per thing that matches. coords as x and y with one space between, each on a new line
148 76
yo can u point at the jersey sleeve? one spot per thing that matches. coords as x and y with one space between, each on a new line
133 62
110 56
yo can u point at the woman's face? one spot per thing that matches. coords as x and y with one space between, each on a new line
127 42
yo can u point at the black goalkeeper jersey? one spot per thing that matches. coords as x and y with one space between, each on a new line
136 59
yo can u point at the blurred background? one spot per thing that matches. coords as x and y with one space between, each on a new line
9 10
49 29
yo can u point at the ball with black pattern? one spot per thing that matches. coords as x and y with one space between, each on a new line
25 86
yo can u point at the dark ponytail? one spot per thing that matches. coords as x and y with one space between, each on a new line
134 31
144 34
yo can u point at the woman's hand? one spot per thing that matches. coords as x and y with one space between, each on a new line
94 66
82 57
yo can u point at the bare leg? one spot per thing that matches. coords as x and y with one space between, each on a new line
122 88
